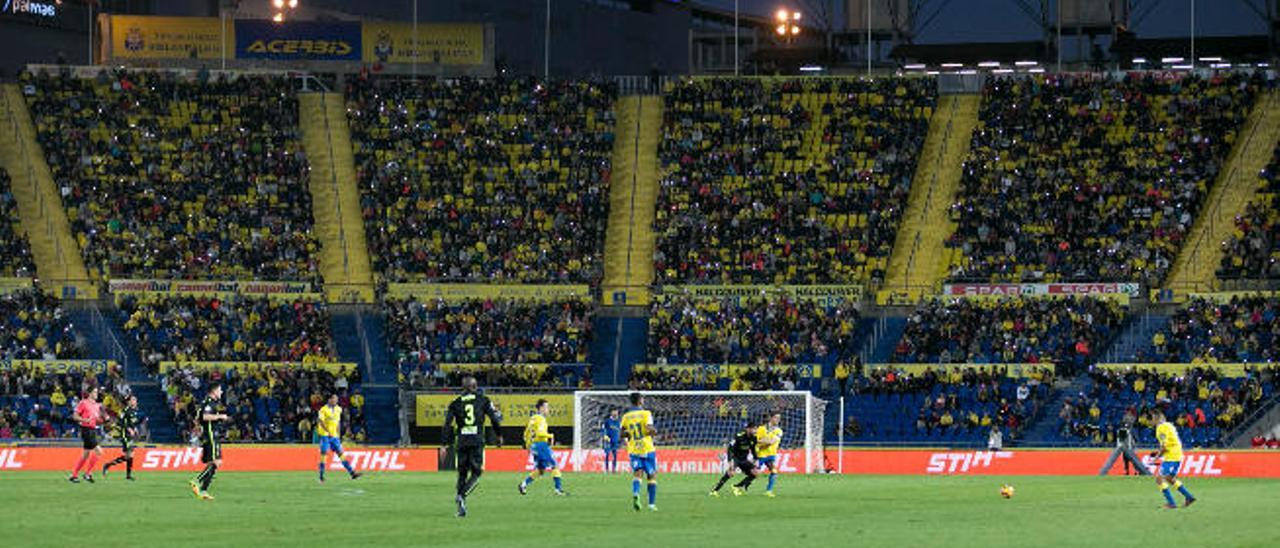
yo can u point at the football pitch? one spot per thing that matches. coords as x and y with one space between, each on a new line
404 509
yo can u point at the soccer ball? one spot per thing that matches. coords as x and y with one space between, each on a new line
1006 491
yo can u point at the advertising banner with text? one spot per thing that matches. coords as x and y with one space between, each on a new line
301 458
1058 289
445 44
831 294
297 40
454 292
429 409
670 461
223 289
1226 464
147 37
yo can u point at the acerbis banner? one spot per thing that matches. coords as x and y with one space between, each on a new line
297 40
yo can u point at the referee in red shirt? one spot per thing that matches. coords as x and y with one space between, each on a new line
88 414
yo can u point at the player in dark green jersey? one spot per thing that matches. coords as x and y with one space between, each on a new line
126 432
464 429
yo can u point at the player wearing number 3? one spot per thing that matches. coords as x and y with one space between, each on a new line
637 429
464 425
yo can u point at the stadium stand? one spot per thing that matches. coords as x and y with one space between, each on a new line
37 401
427 334
1069 332
483 180
785 181
273 404
1090 177
34 325
1243 329
15 251
956 405
1203 402
238 329
1253 251
168 176
751 331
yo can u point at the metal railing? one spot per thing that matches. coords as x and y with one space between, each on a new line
42 203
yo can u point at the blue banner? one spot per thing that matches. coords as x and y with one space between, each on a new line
297 40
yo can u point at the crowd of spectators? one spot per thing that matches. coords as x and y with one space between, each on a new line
269 404
1244 329
675 377
1253 251
33 325
751 331
798 181
1064 331
179 177
1091 177
505 375
423 334
39 402
15 251
1201 401
187 328
483 180
962 403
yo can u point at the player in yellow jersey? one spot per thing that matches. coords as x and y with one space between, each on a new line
539 440
1170 453
638 431
768 438
329 428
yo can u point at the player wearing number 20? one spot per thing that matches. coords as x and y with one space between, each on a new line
637 429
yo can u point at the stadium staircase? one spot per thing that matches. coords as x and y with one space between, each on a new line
53 248
1136 337
920 259
100 326
1196 267
621 341
885 332
359 333
335 199
1044 428
633 194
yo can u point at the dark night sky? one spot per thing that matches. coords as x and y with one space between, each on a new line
1003 21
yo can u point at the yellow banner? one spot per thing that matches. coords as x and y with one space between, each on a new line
430 409
826 293
10 285
1011 370
732 370
1226 369
332 367
444 44
146 37
57 365
463 292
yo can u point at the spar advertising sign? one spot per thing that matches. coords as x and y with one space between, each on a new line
999 290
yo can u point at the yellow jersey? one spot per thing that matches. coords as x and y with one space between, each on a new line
767 441
1170 445
330 421
639 442
536 431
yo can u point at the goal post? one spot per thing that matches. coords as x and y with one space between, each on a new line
693 427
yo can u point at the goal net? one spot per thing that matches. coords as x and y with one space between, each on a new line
693 427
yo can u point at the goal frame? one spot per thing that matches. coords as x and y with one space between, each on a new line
813 435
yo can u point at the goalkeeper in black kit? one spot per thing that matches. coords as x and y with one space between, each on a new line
464 429
741 452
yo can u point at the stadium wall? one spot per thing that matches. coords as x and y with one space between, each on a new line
1227 464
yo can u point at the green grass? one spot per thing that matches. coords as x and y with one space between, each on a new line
402 509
